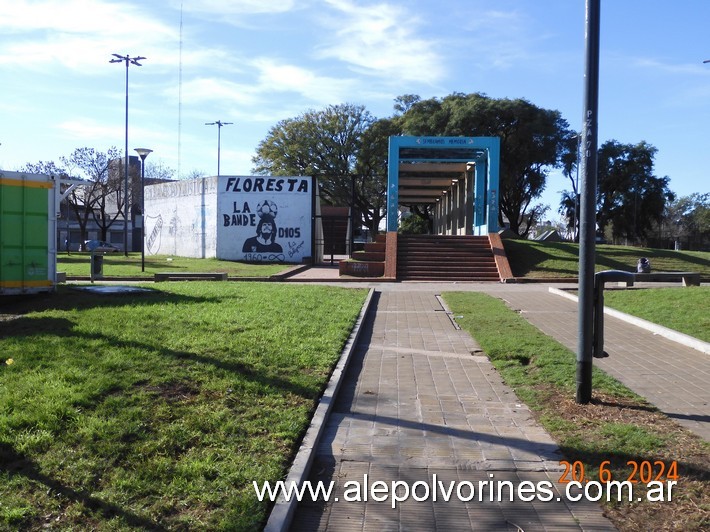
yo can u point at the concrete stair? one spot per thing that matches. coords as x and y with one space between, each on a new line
367 263
445 258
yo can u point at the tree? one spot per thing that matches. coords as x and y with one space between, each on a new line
158 172
77 198
103 196
688 217
630 199
569 204
533 141
337 146
101 193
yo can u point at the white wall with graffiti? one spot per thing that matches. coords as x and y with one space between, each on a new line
264 219
241 218
180 218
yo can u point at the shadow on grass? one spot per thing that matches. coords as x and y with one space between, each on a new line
642 408
63 327
16 464
65 298
562 258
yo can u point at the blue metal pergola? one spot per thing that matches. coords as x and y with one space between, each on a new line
420 168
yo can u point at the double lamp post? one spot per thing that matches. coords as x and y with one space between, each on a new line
142 153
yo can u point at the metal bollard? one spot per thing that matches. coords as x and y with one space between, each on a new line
598 325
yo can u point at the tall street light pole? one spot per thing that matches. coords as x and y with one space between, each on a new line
143 153
587 220
129 61
219 138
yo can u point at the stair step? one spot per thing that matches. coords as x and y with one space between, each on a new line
448 257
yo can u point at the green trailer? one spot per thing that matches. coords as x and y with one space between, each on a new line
28 224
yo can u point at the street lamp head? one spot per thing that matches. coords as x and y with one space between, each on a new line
143 153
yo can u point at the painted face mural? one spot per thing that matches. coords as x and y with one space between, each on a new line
264 219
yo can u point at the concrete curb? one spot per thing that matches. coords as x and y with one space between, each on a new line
675 336
283 511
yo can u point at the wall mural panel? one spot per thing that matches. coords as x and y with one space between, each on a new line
264 219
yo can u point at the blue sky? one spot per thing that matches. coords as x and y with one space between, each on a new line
255 62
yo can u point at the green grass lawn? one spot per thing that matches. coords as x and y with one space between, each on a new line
529 258
116 264
618 426
159 410
686 310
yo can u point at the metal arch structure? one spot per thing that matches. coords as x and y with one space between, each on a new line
424 170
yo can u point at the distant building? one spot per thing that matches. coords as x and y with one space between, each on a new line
69 230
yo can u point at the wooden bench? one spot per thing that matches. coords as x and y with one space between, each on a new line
190 276
687 278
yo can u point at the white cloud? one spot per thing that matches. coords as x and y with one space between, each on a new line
278 90
77 33
202 90
89 129
381 40
279 77
236 7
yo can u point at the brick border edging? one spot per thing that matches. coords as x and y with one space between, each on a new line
504 271
282 513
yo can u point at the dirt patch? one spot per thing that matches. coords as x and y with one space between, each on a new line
689 508
174 391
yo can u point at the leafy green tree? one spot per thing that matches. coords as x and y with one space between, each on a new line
415 224
569 205
689 219
630 199
533 141
343 146
570 200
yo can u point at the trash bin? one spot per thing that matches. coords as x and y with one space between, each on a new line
97 265
643 265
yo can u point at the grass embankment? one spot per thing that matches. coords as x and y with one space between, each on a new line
686 310
157 411
617 426
529 258
117 265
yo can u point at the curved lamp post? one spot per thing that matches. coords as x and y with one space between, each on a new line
143 153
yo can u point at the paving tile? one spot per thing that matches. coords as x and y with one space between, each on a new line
415 403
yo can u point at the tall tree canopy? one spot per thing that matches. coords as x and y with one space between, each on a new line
630 199
533 141
342 145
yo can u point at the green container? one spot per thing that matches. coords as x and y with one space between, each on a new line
27 233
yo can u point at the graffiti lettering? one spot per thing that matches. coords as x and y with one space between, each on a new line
239 219
266 184
245 207
294 248
289 232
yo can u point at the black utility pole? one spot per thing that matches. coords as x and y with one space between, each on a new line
129 61
588 222
219 138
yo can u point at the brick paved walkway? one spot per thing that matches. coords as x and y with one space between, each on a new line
673 377
420 401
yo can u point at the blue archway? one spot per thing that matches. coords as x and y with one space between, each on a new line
460 175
